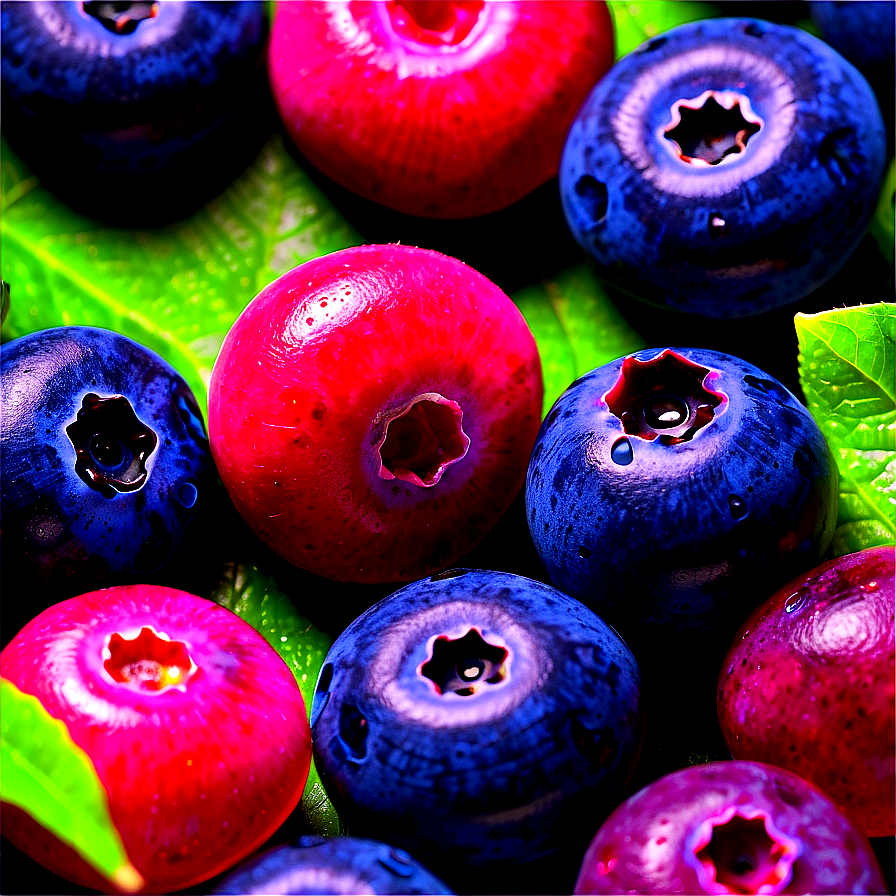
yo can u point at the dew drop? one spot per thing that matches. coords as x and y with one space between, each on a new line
794 602
621 453
737 506
187 494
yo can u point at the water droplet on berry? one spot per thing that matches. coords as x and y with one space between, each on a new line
621 453
794 602
738 507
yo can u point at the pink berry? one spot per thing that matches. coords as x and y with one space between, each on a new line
729 827
195 725
808 684
372 412
436 108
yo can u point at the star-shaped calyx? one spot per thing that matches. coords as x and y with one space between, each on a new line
711 127
664 398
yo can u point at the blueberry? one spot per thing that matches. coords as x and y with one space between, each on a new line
132 109
677 487
724 168
106 465
864 31
314 864
470 716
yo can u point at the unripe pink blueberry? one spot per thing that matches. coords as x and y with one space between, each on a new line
729 827
809 683
436 108
372 412
195 725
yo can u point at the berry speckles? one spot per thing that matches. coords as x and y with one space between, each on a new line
105 464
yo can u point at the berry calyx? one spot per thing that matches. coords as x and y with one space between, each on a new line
148 662
711 127
422 439
665 397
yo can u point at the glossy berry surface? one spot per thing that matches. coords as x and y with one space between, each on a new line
677 487
445 109
337 865
724 168
196 727
808 684
469 718
119 105
729 827
365 402
106 465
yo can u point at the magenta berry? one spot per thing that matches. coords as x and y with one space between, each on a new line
808 684
729 827
372 412
196 727
444 109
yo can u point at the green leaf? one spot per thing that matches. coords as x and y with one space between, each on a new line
46 774
257 598
576 327
847 369
175 289
635 22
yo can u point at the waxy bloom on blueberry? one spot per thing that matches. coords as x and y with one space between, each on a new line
468 718
725 167
106 466
134 110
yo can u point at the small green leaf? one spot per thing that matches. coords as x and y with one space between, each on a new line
256 598
175 289
576 327
635 22
46 774
847 369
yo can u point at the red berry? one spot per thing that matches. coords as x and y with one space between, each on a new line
808 685
444 109
372 412
196 727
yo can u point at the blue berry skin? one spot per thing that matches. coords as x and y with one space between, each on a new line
114 119
337 865
471 717
675 489
105 465
724 168
864 31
